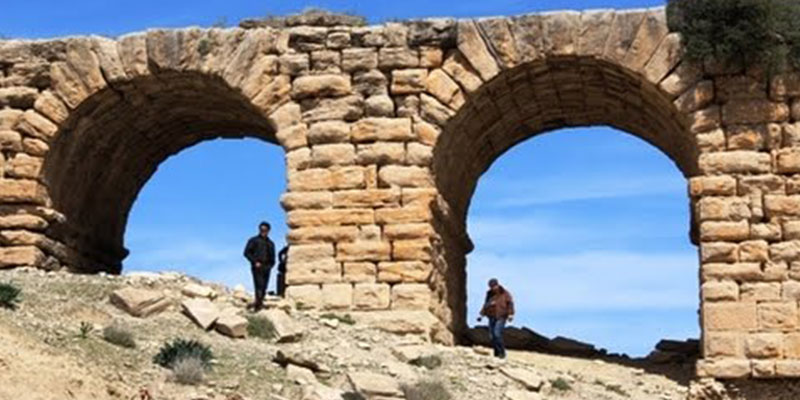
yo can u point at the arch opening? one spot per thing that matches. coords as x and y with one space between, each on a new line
521 103
113 143
587 228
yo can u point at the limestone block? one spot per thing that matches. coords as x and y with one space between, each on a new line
723 344
139 302
651 32
788 161
305 296
722 316
35 125
360 272
666 57
24 166
381 153
294 63
326 155
462 72
195 290
321 86
724 368
337 296
348 177
735 162
324 270
408 231
430 57
404 271
696 98
735 271
624 30
474 49
352 216
233 326
23 221
527 378
347 108
359 59
286 329
49 105
21 191
764 345
790 290
326 61
719 252
754 251
426 133
371 296
411 296
10 140
777 316
403 215
720 291
329 132
408 81
367 198
374 385
410 176
724 231
723 208
315 234
18 97
782 206
293 137
306 200
705 120
397 57
304 253
202 311
34 147
419 249
760 291
791 345
787 368
382 129
770 231
379 106
434 111
364 251
754 111
759 184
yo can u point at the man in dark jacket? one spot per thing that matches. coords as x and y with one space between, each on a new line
260 251
499 308
283 257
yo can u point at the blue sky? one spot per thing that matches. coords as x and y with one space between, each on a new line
588 227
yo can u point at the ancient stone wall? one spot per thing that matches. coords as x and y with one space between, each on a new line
387 130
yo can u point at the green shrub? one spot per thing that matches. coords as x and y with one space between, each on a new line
426 390
764 33
189 370
9 295
85 329
561 384
260 327
178 349
344 319
119 336
430 362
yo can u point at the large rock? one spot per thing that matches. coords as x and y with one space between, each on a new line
202 311
514 338
301 359
409 353
300 375
286 330
139 302
522 395
234 326
529 379
372 384
194 290
572 347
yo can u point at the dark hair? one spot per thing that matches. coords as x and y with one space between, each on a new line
493 282
264 224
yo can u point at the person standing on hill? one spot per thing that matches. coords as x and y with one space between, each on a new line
499 308
283 257
260 251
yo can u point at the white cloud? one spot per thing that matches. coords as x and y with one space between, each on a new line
548 189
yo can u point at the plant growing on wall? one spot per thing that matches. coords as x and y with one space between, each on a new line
763 33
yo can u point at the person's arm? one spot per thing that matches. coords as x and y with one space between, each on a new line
270 254
248 252
510 307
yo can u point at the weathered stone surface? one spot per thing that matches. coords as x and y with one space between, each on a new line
411 296
286 329
329 132
383 129
139 302
18 256
305 296
408 81
371 296
202 311
371 384
231 325
194 290
321 86
530 380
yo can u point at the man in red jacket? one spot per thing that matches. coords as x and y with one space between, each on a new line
499 308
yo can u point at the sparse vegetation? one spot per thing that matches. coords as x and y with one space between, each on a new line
614 388
85 330
763 33
560 384
178 349
189 370
342 318
119 335
430 362
9 295
426 390
353 396
260 327
203 46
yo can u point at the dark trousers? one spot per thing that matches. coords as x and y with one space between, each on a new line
496 327
260 282
281 283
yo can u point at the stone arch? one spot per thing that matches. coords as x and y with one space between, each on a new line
501 87
123 107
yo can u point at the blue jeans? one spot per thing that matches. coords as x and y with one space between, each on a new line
496 327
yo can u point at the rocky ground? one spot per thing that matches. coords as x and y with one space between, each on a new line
43 354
